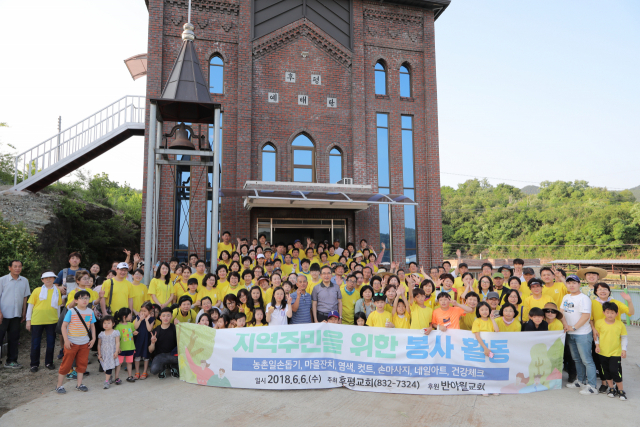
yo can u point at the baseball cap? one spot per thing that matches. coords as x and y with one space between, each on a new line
534 282
505 267
263 277
493 295
260 256
296 241
333 313
573 278
499 275
122 265
48 274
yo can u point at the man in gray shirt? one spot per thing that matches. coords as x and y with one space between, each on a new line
325 297
14 292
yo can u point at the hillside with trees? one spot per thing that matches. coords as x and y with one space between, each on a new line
563 220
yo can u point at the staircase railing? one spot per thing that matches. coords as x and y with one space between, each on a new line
47 154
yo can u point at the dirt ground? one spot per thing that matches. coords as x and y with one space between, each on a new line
20 386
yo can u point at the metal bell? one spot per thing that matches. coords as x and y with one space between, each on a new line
182 141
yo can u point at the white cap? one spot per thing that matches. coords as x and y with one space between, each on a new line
260 256
122 265
48 274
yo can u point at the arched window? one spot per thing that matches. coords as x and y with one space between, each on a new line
216 75
405 82
381 79
304 159
268 163
335 165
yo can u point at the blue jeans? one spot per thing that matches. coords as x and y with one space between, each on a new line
36 340
580 346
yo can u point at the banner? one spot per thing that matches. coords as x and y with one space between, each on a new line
324 355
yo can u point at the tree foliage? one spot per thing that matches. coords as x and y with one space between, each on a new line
565 219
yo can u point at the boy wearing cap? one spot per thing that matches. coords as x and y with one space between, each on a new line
43 309
536 299
576 311
333 316
118 292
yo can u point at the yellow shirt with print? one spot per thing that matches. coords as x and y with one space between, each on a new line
140 295
403 322
514 326
43 313
421 317
348 305
597 313
531 302
556 292
480 325
161 290
610 344
378 320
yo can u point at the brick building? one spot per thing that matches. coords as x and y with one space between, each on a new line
312 92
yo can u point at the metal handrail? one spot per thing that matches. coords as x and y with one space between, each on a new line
126 110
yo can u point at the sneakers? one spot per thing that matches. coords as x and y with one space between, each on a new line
612 392
574 384
175 373
50 366
603 389
13 365
34 369
588 390
162 375
106 385
60 390
131 380
622 395
118 381
73 375
82 387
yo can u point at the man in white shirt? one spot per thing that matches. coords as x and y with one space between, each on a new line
576 310
14 291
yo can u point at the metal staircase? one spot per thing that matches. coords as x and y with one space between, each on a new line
75 146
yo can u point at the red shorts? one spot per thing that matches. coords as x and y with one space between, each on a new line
79 353
128 359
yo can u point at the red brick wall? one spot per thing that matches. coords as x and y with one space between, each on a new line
253 68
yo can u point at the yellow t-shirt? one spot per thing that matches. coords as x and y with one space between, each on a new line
403 322
480 325
466 321
531 302
93 295
458 283
266 295
193 297
161 290
231 290
287 269
555 292
378 320
514 326
348 305
140 295
189 318
597 313
525 292
180 288
200 277
610 345
212 293
556 325
333 258
421 317
43 313
230 247
312 285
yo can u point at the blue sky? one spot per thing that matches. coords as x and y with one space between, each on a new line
527 91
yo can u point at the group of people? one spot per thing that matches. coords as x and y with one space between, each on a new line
259 284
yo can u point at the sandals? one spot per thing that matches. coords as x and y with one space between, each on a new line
118 381
137 376
131 380
144 376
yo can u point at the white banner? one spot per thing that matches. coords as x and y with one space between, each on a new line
323 355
